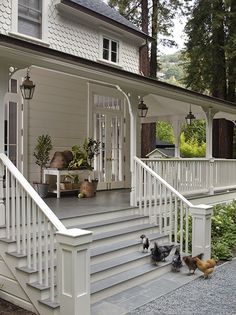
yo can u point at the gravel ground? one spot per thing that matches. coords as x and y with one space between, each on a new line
216 295
7 308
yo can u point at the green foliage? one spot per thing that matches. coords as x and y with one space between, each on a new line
191 148
210 48
42 152
83 157
164 132
197 130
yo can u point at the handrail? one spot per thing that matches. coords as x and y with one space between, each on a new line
148 169
33 194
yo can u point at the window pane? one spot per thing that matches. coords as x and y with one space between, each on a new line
114 46
30 17
114 57
105 54
105 43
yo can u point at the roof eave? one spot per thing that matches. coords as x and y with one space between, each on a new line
106 19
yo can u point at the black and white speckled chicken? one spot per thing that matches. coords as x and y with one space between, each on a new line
176 262
159 253
145 241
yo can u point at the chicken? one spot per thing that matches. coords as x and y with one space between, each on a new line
145 241
176 261
207 267
191 263
159 253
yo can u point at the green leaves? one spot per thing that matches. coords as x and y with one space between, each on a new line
42 151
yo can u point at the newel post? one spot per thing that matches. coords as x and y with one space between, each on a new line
201 230
2 204
74 271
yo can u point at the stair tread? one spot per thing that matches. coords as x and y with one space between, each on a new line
49 303
117 261
110 221
124 276
123 231
99 250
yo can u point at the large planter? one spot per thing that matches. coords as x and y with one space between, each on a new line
42 189
87 189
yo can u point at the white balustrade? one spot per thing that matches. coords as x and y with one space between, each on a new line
170 210
195 176
164 205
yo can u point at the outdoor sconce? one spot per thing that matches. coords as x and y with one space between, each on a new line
27 87
142 109
190 117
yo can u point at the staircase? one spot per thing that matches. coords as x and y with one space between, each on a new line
28 247
117 260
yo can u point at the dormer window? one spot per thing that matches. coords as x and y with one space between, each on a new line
30 18
110 50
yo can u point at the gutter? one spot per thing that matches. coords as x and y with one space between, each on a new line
14 43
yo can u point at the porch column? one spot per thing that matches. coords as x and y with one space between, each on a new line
177 130
74 271
201 230
4 79
210 113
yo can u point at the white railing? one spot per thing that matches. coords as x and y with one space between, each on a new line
194 176
29 222
223 174
163 204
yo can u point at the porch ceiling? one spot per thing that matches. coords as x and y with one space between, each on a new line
163 100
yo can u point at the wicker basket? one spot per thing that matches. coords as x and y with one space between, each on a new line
66 186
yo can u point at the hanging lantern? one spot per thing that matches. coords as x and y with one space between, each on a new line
190 117
27 87
142 109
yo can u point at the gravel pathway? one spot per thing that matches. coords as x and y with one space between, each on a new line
216 295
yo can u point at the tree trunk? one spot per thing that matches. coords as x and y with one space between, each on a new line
223 138
153 60
144 65
218 52
148 136
231 54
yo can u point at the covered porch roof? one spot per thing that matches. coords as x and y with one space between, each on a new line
162 98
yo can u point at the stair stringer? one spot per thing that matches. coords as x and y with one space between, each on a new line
23 279
11 290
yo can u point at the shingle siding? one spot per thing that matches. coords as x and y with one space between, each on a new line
68 34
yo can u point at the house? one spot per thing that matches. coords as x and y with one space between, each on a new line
83 58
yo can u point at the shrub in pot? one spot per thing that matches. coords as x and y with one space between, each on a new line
41 154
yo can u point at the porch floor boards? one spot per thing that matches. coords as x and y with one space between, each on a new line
69 205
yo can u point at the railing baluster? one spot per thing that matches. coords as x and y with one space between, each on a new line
13 207
186 229
28 215
51 257
34 232
46 251
18 216
23 204
7 204
40 250
181 226
176 219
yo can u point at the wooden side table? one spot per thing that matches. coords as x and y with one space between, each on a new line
58 173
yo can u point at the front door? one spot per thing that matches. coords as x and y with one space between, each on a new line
109 130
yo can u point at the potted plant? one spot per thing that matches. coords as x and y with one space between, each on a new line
41 154
83 159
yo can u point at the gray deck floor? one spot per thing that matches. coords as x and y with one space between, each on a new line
69 205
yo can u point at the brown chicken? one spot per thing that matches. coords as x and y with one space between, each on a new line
207 267
191 263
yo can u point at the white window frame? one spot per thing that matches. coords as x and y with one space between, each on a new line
118 50
14 30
